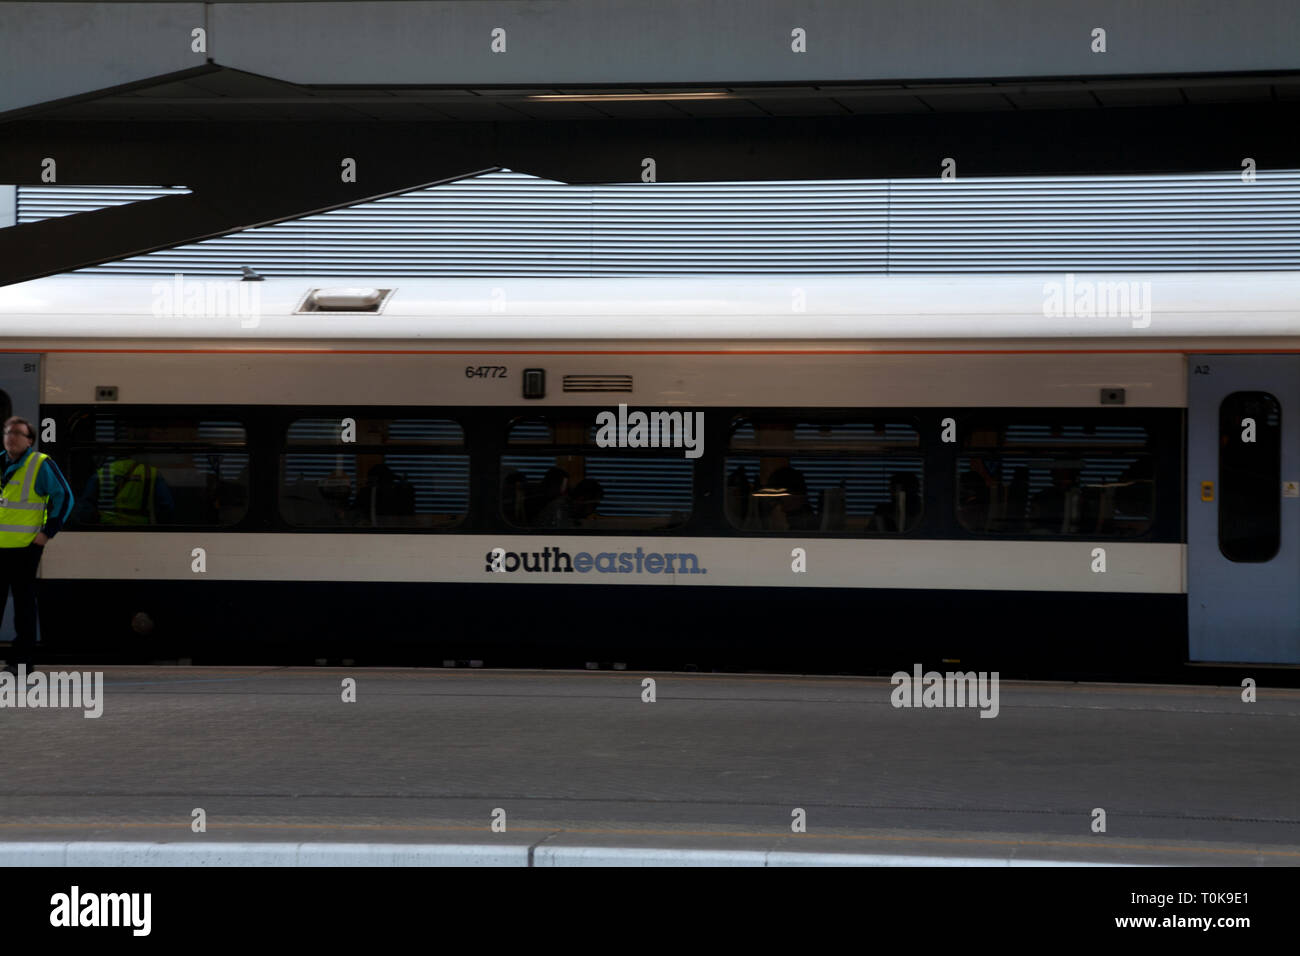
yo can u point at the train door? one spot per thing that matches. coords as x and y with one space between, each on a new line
1243 508
20 377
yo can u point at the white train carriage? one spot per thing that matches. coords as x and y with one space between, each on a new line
795 471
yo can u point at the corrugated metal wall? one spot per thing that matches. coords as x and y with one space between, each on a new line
513 224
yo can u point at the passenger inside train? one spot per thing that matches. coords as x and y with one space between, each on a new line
786 498
572 509
903 508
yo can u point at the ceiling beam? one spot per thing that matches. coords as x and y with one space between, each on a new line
1006 143
67 243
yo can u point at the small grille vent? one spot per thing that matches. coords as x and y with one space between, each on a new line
598 383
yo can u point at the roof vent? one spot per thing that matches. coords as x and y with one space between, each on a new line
345 300
598 383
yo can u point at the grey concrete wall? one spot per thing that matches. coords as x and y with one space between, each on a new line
54 50
49 51
719 41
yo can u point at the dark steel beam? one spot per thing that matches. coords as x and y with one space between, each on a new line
55 246
247 174
1006 143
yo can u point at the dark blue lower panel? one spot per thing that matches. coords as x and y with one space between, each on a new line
785 629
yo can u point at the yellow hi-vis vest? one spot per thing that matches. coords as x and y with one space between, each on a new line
126 492
22 510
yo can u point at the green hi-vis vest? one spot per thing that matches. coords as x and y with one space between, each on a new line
126 493
22 510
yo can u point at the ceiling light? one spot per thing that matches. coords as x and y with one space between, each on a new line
611 97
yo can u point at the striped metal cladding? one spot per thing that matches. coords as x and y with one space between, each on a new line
512 224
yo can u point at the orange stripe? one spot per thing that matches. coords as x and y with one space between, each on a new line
333 351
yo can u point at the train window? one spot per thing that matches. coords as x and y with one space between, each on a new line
152 429
149 471
1056 478
389 473
534 431
1250 476
788 474
565 481
350 432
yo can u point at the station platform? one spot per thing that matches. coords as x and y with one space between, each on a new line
577 768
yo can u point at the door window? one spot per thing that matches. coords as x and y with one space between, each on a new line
1250 476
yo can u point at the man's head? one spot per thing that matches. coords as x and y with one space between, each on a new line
586 497
18 436
794 485
555 482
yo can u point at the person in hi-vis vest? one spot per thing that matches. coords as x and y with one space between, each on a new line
126 492
34 503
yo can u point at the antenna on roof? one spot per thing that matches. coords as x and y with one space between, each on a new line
250 275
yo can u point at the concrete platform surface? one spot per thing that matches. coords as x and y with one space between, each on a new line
579 768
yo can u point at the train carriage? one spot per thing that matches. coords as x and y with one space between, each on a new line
801 472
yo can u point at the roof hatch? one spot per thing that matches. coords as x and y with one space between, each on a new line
345 300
